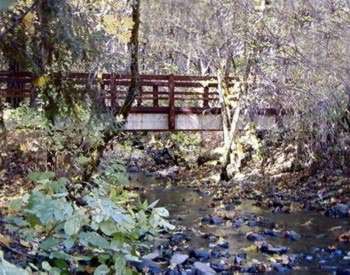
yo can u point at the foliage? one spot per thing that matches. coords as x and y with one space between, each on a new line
184 147
5 4
71 236
25 117
8 268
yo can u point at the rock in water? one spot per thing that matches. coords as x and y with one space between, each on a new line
168 173
146 266
178 259
200 254
280 268
252 236
292 235
203 269
152 256
269 249
216 220
341 210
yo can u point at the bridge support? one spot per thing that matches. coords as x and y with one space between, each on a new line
183 122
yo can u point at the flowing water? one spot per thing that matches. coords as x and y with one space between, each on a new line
314 249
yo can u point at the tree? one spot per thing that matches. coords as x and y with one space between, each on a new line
134 89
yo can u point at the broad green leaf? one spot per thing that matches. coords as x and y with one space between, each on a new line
41 177
7 268
108 227
73 225
120 265
161 211
49 243
93 239
5 4
102 270
153 204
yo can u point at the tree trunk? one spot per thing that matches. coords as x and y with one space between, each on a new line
2 126
134 89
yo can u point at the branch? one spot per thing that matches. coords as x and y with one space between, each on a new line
18 20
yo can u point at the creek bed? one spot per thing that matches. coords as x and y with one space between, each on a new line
312 240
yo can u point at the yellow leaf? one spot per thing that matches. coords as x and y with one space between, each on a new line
41 81
251 248
5 240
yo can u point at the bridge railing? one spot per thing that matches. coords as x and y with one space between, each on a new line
184 93
158 94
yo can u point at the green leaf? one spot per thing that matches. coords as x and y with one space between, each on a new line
5 4
49 243
48 210
120 265
153 204
93 239
161 211
7 268
108 227
102 270
41 177
73 225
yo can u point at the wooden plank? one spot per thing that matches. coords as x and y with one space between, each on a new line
172 113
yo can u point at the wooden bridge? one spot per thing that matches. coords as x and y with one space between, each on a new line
165 103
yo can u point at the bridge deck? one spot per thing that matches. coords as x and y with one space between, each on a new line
166 102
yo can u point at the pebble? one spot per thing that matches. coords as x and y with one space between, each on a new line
178 259
203 268
292 235
269 249
252 236
341 210
200 254
280 268
151 266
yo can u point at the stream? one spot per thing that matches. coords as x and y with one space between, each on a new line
251 240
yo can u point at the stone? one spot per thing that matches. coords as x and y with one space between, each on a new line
178 259
178 238
252 236
133 169
155 254
218 267
238 259
341 210
168 172
200 254
343 271
216 220
271 233
203 269
146 266
292 235
280 268
223 244
269 249
309 258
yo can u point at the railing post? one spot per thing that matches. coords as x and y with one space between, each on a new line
33 93
171 102
139 98
206 97
155 96
113 91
